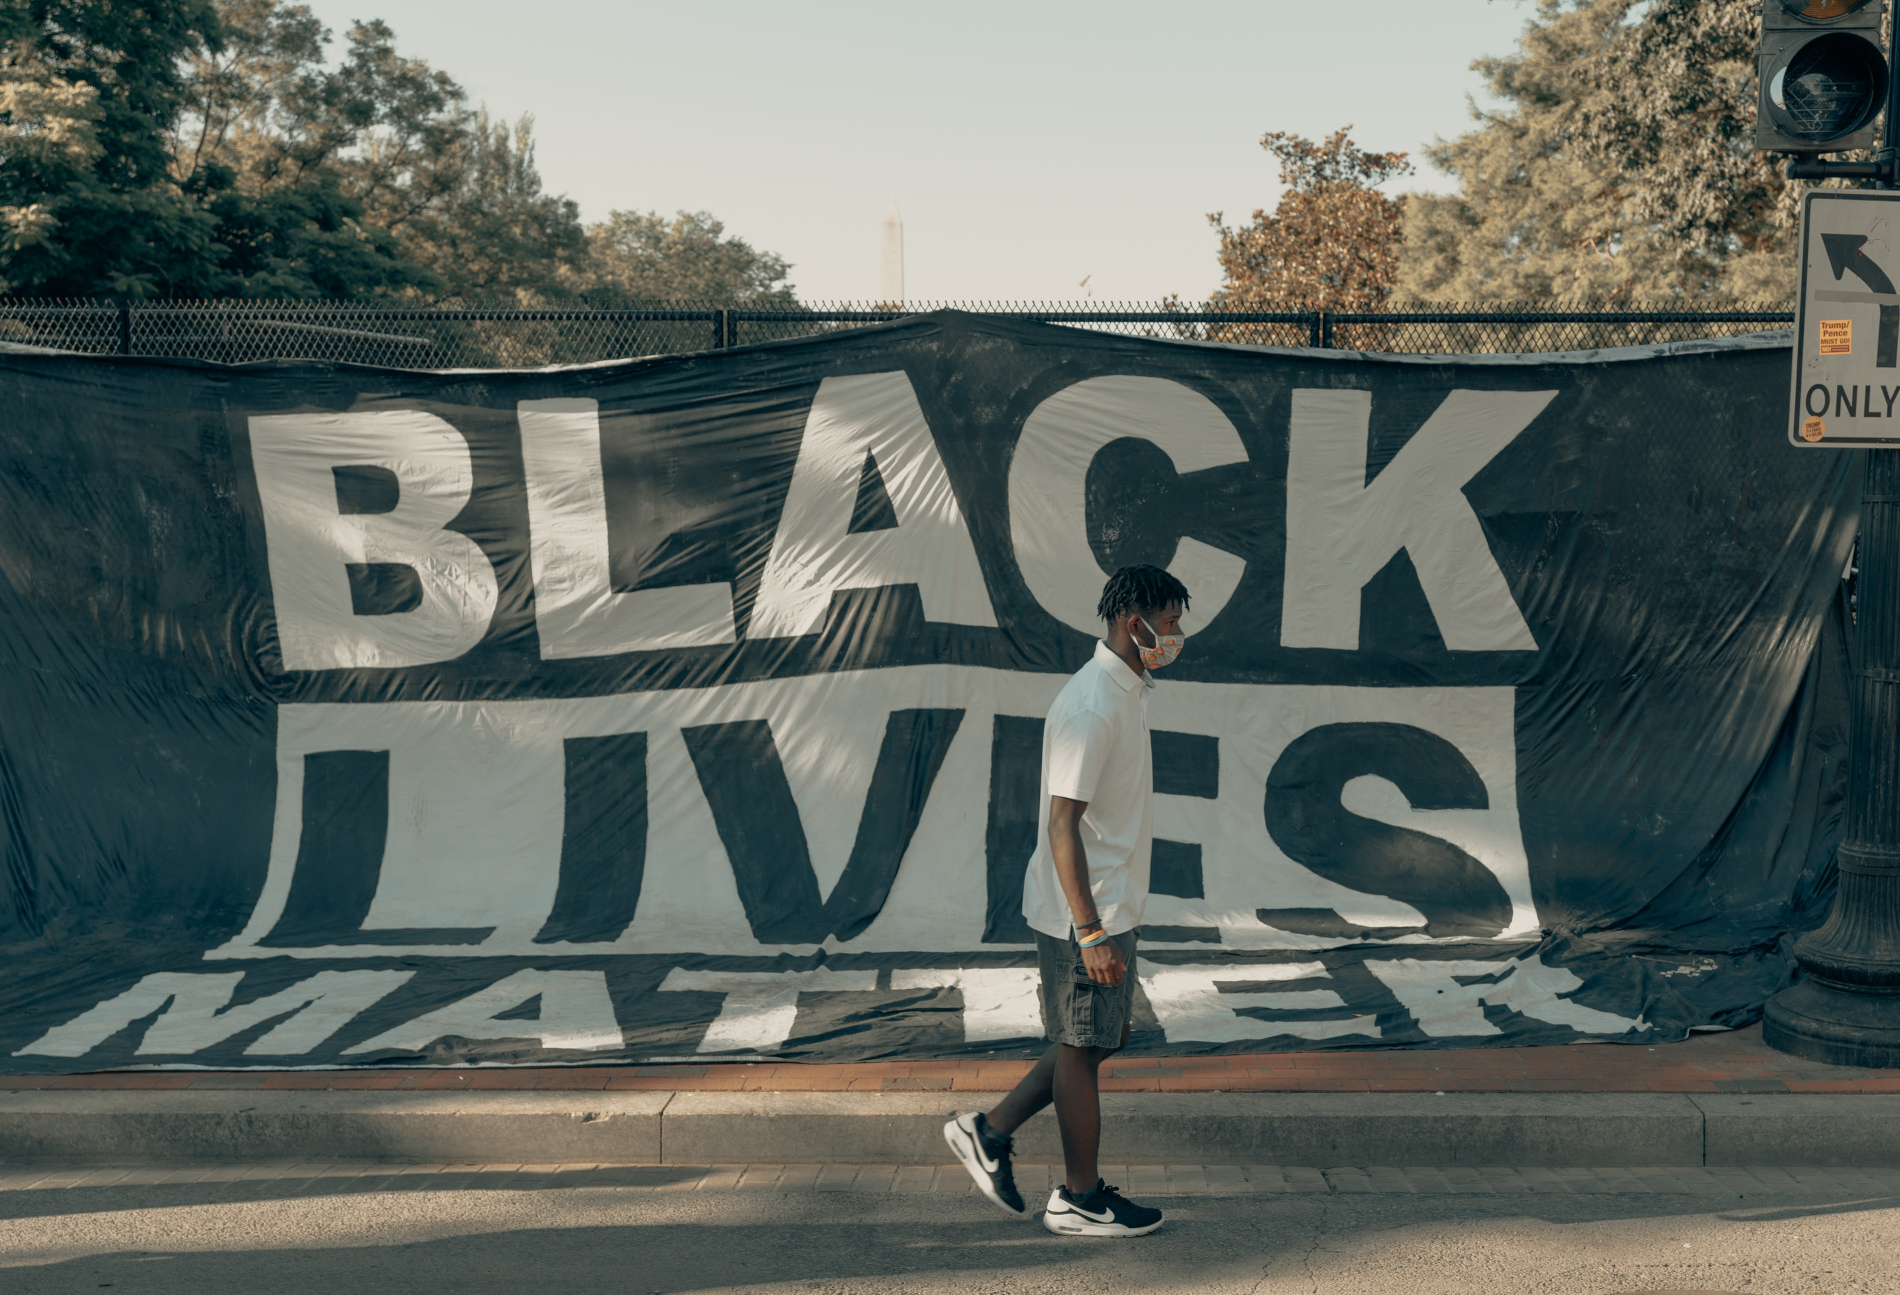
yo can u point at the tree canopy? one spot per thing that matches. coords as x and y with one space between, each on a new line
189 148
87 90
1620 164
690 257
1332 241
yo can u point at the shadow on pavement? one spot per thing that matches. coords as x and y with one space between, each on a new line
640 1242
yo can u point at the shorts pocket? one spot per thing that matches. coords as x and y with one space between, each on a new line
1083 1009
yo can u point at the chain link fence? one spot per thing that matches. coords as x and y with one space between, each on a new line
488 337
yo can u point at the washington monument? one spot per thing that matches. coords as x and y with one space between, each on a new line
892 286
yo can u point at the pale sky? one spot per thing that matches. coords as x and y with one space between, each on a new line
1027 144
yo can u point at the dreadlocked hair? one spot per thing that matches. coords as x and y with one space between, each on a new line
1142 589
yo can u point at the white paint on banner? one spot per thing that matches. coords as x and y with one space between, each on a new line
828 737
1341 531
194 1013
312 543
477 800
576 611
944 868
689 898
1193 1003
1048 490
998 1002
196 995
854 419
576 1014
760 1007
1444 1006
475 816
1243 870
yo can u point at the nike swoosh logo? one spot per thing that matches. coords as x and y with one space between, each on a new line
1106 1216
976 1147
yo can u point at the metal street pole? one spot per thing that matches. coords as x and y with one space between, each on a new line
1847 1008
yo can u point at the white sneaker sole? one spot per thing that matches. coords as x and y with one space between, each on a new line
961 1143
1068 1225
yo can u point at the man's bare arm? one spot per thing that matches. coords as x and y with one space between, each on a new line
1103 961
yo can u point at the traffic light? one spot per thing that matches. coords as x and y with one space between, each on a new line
1823 75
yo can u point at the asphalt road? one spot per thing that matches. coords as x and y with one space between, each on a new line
292 1237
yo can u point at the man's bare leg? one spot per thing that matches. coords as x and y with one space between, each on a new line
1068 1077
1079 1113
1034 1092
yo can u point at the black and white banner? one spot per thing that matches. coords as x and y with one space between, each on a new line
691 707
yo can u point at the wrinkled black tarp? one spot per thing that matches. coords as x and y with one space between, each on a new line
1678 726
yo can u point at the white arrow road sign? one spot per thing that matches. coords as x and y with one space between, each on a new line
1847 325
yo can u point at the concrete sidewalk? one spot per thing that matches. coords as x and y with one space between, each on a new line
1475 1129
1713 1100
315 1179
319 1227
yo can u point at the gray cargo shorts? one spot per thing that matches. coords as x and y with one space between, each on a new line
1076 1010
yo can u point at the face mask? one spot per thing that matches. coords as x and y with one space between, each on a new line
1166 648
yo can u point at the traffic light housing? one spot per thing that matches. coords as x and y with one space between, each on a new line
1824 73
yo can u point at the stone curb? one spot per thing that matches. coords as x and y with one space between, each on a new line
528 1128
1549 1129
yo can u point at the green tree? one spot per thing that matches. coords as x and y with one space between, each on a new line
644 255
1680 83
494 232
187 148
1332 241
242 145
1620 166
87 91
372 176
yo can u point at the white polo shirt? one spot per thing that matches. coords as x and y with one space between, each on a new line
1095 749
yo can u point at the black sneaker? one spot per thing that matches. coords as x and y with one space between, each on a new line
985 1154
1103 1212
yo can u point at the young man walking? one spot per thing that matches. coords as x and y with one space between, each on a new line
1083 896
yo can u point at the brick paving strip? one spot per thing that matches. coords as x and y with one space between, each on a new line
291 1178
1735 1062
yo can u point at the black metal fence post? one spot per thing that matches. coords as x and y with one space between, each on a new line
722 330
125 329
